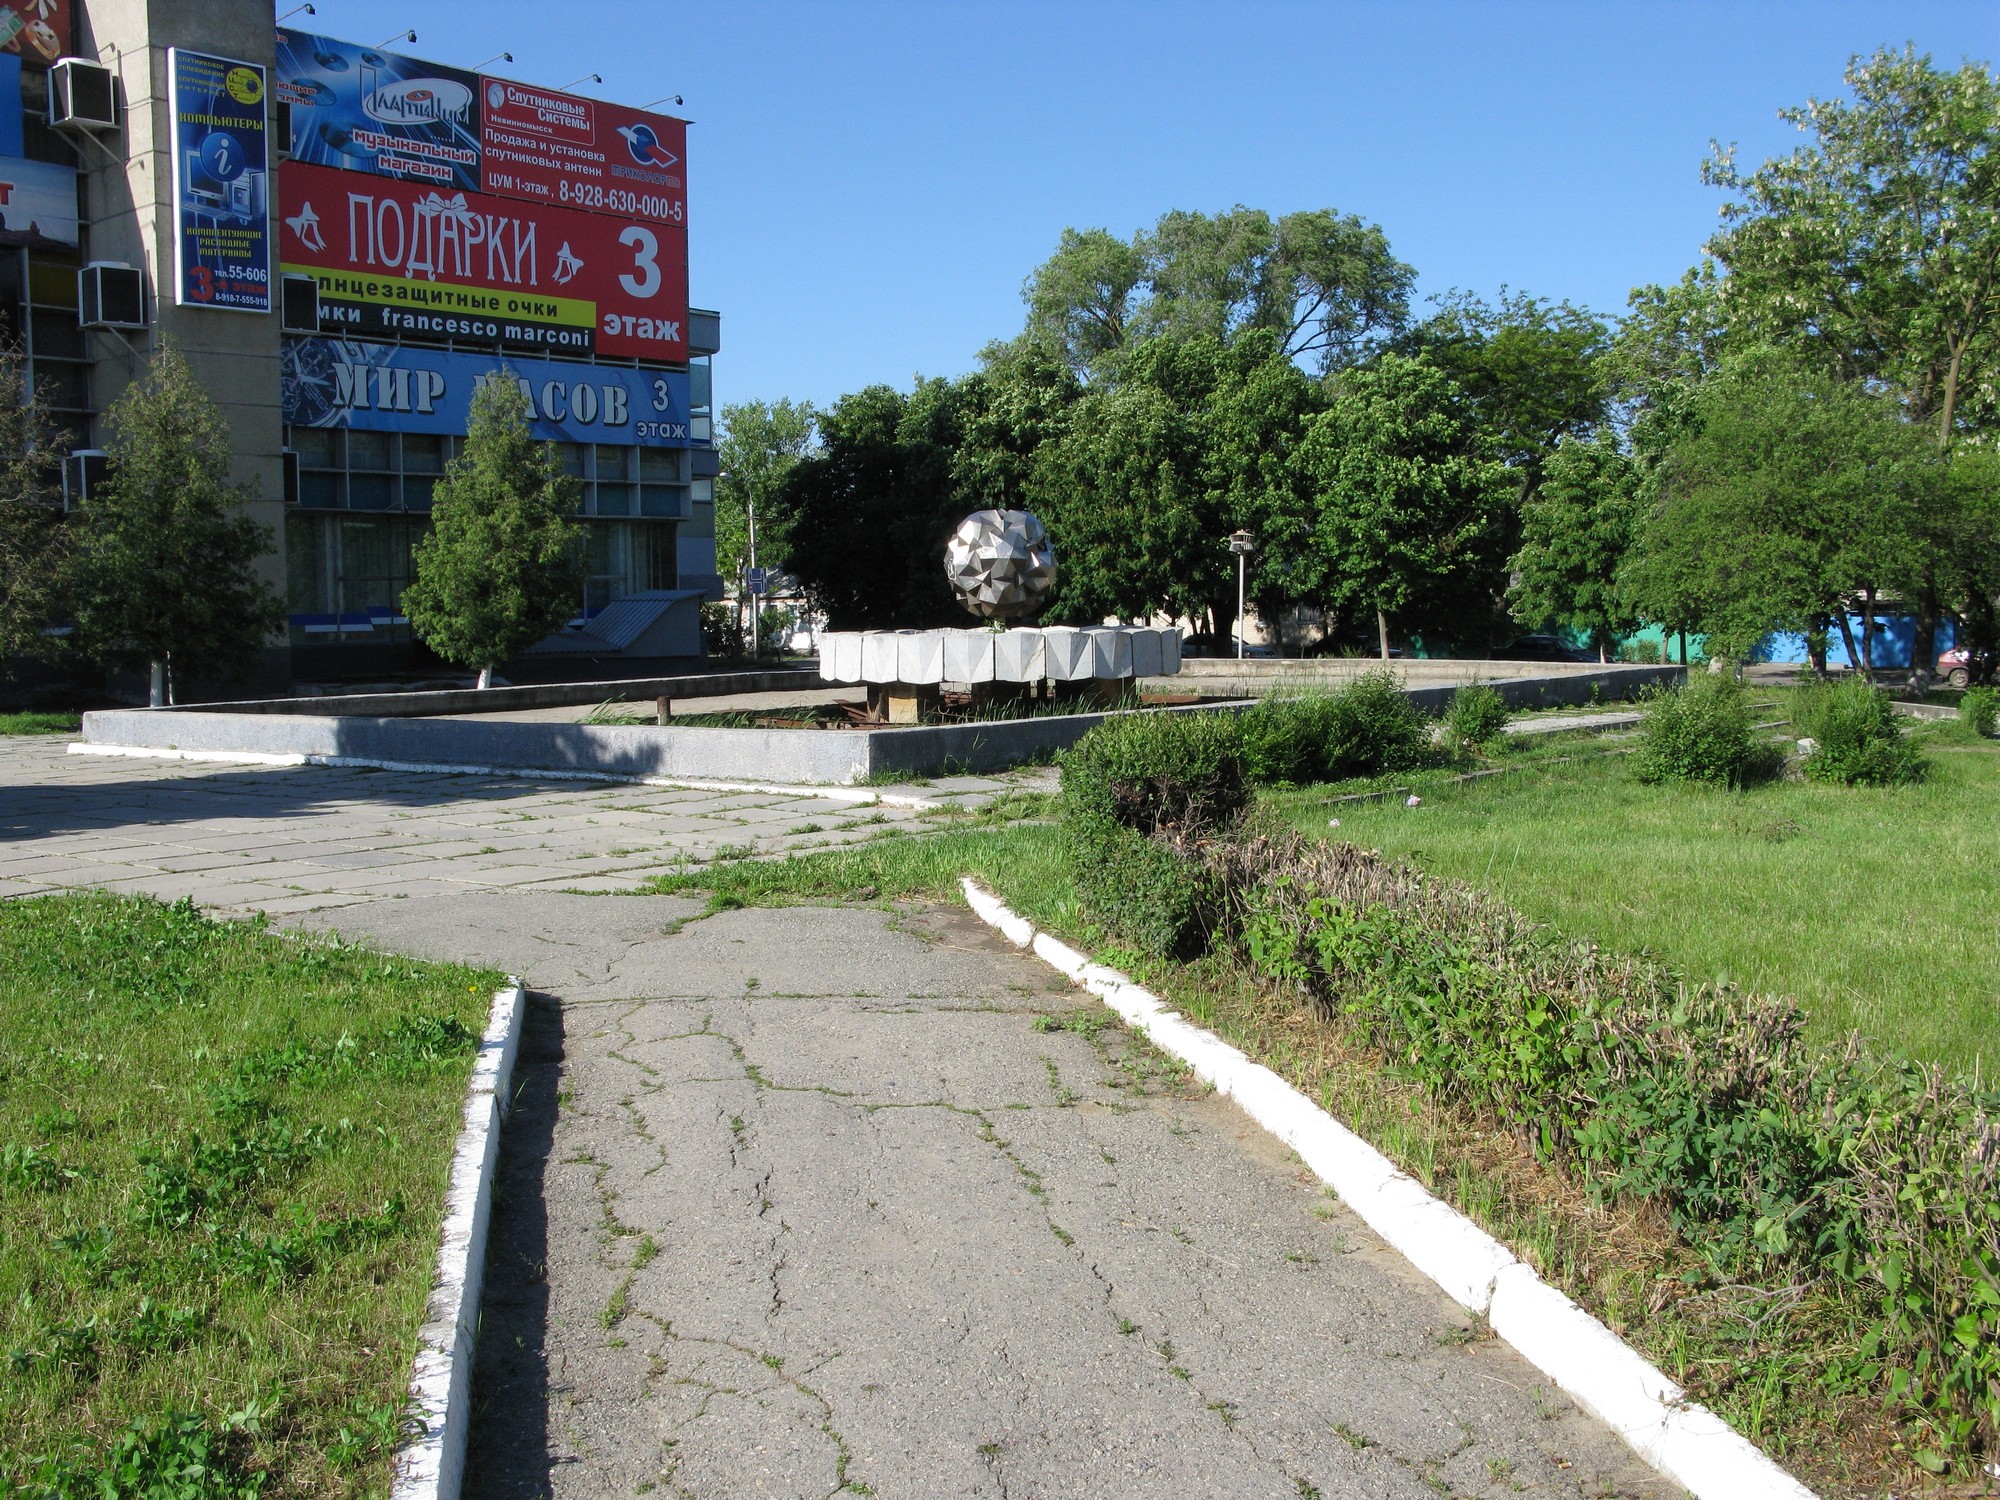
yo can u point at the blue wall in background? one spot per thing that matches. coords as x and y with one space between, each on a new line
1895 642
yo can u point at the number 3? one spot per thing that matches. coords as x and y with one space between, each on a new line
645 261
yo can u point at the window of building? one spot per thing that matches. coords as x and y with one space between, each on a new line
38 314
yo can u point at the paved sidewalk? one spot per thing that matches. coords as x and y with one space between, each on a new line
811 1201
305 838
815 1200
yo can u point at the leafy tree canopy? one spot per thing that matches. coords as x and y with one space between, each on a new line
503 564
1325 284
165 562
761 442
33 540
1877 244
1576 527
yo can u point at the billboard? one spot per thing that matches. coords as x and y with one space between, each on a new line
375 111
221 164
367 110
559 148
374 387
37 29
37 203
398 259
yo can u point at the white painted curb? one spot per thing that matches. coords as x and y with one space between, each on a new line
864 798
1591 1364
431 1465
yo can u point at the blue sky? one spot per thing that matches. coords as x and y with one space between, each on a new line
869 183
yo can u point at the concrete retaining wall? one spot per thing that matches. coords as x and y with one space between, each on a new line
533 695
1430 684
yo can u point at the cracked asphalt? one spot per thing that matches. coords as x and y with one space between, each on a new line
823 1200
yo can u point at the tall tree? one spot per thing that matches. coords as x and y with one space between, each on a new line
1576 527
33 539
872 510
164 567
503 565
1410 501
1790 494
1081 299
1325 284
761 443
1878 245
1879 242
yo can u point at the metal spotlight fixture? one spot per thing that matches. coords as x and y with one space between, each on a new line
674 99
401 36
505 57
587 78
294 11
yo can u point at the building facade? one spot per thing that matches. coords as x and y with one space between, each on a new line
344 241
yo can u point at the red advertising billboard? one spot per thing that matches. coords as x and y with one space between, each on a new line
548 147
412 261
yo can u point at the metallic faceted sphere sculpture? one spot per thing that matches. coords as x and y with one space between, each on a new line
1001 563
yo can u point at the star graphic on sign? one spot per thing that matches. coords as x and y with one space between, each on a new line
305 224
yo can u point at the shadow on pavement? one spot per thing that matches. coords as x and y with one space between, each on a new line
509 1450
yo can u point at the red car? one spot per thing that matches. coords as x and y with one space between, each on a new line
1955 666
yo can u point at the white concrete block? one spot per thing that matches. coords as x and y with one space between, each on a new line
1059 956
1170 651
1145 648
1066 655
968 655
840 655
1019 656
1110 652
920 656
878 656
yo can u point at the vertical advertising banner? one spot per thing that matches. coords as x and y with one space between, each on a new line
222 174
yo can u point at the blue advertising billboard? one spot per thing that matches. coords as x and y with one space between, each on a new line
373 111
404 388
222 174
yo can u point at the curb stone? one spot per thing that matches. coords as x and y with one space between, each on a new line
431 1463
1587 1361
830 793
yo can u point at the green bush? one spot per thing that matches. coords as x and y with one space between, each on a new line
1858 739
1875 1180
1475 715
1368 728
1139 794
1701 732
1980 708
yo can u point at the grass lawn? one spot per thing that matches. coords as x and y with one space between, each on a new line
38 722
1876 908
223 1155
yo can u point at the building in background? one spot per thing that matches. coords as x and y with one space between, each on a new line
344 241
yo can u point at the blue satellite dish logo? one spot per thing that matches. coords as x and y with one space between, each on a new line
645 146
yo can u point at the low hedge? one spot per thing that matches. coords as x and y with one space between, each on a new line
1701 731
1780 1162
1369 727
1857 736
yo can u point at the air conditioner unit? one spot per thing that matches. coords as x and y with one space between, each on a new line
111 294
83 471
281 130
299 304
83 95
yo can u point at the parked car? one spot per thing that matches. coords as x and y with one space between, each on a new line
1541 648
1955 666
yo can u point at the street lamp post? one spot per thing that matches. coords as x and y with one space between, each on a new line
756 599
1242 543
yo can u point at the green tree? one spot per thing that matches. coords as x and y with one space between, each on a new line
1324 284
872 510
1789 494
503 564
1410 502
1576 527
1967 541
761 442
164 566
33 540
1878 243
1532 371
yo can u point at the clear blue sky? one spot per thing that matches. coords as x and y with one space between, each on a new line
869 183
